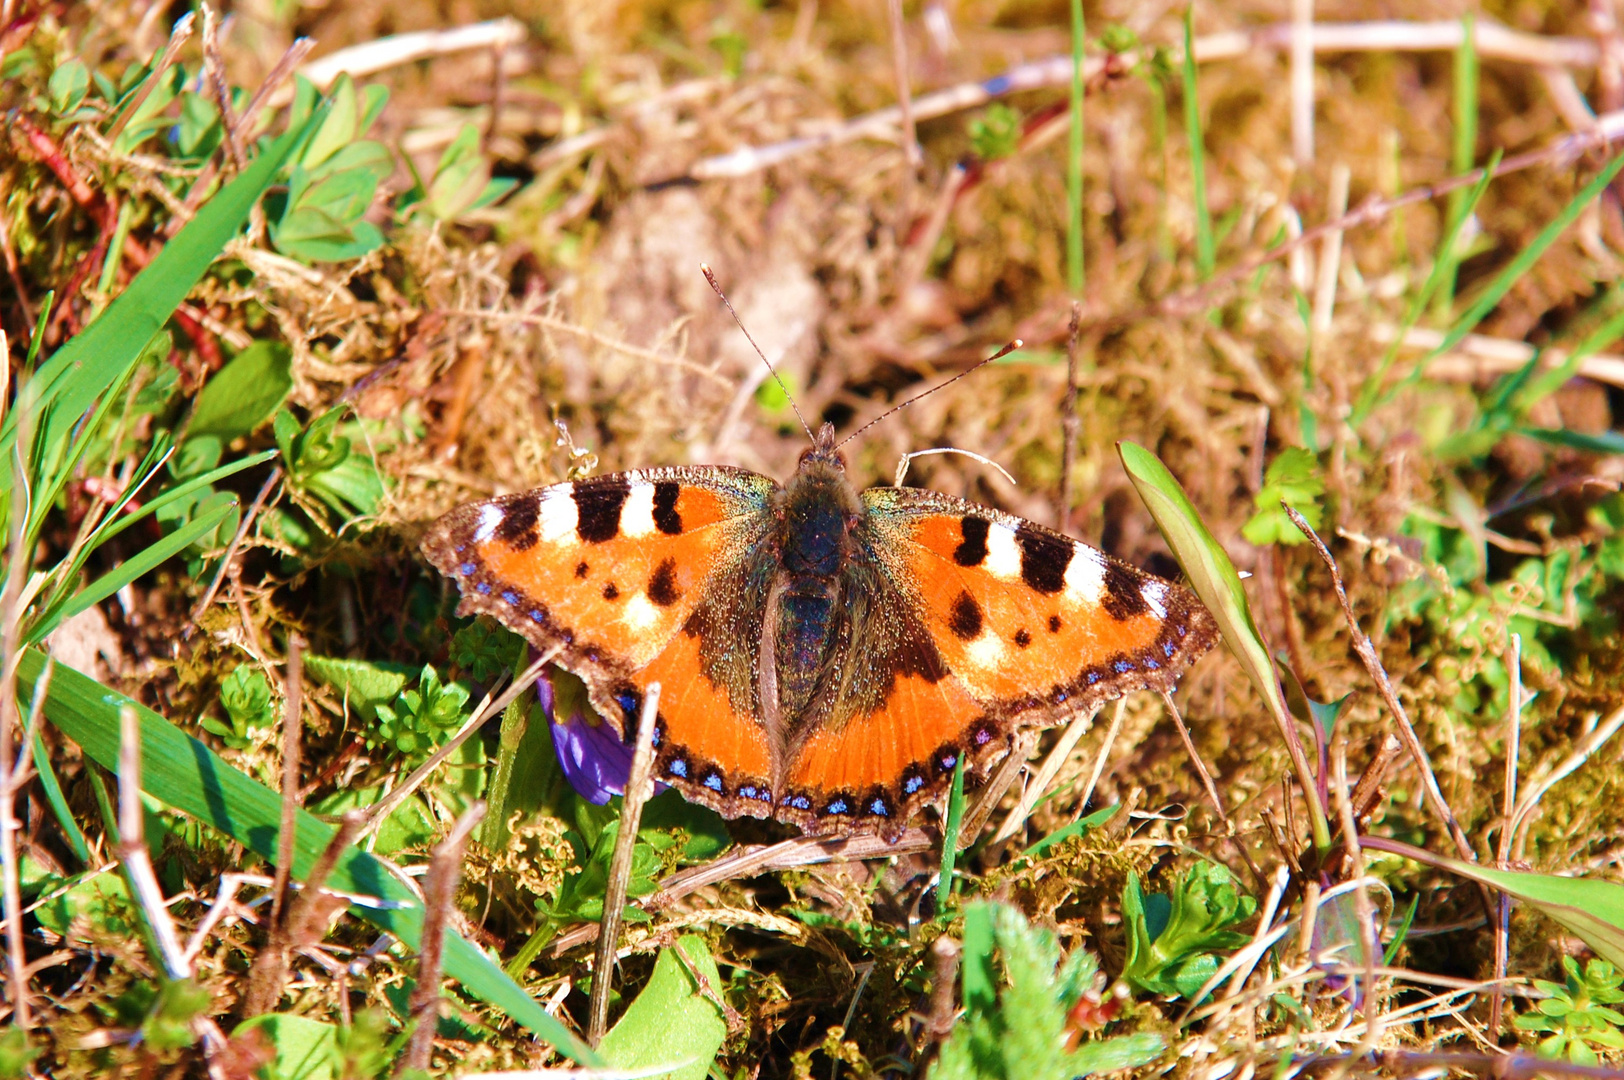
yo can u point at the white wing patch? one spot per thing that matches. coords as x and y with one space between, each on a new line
1155 594
637 515
639 613
556 513
1085 574
490 517
1003 553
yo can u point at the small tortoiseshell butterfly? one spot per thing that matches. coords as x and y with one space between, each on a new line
826 657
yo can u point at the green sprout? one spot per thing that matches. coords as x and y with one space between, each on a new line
1575 1018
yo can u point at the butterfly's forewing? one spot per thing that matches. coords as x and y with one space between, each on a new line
610 570
1031 627
1032 621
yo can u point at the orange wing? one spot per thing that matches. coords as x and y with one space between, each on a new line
1035 624
1029 626
608 568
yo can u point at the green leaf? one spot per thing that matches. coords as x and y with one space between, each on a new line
104 352
305 1049
1292 478
1592 909
1212 575
1080 827
674 1019
189 777
362 684
245 393
69 84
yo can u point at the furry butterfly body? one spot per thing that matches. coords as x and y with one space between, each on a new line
826 656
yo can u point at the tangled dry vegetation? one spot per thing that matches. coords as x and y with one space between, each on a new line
1316 300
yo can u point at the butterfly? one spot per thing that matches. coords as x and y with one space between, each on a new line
825 656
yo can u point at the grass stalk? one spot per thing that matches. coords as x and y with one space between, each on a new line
1462 156
1206 258
950 837
439 895
1074 159
639 786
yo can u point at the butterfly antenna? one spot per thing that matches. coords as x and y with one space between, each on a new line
999 355
705 269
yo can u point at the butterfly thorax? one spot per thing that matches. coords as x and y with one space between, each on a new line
815 518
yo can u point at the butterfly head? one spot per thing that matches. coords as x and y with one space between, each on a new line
818 510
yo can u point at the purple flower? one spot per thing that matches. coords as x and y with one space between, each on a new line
595 762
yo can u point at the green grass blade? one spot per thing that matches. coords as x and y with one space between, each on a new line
1370 392
1080 827
1206 255
59 803
180 491
189 777
127 571
1212 575
1526 258
1547 383
1074 164
950 837
1593 909
82 370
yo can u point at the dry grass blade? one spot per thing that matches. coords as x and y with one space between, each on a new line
132 852
439 896
214 67
1045 775
303 925
639 786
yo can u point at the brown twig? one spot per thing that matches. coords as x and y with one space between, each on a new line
292 732
177 38
944 1008
236 542
214 67
439 894
304 925
132 850
1502 925
639 786
11 651
910 136
1195 759
1070 425
1373 666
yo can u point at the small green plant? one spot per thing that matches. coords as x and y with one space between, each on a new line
163 1012
322 215
245 695
1575 1020
1173 938
16 1053
1291 477
422 718
462 181
330 474
996 133
1017 1025
485 650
